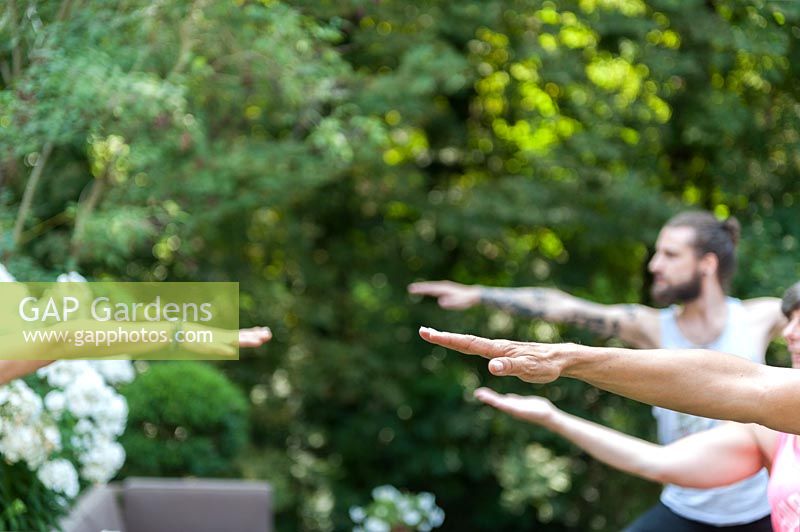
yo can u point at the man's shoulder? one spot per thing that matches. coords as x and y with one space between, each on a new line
764 310
762 304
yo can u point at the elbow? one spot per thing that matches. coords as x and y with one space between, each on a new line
665 475
668 467
654 466
657 471
664 467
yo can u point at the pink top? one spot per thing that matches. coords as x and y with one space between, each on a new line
784 485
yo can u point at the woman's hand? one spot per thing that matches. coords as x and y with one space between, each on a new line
533 409
214 341
254 336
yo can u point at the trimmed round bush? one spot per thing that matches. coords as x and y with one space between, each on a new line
186 419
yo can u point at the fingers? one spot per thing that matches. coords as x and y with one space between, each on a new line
262 334
502 402
488 396
429 288
465 343
506 366
528 361
483 391
451 303
254 336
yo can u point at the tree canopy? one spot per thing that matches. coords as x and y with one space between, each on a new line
326 154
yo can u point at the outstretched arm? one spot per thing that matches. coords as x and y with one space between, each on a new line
699 382
13 369
637 325
708 459
152 336
21 353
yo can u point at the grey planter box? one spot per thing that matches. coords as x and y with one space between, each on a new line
173 505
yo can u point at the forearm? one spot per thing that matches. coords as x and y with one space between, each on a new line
555 306
122 338
13 369
626 453
54 346
546 303
699 382
82 339
707 459
530 302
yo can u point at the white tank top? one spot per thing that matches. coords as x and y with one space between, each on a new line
739 503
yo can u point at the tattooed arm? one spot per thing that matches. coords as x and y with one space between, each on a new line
636 325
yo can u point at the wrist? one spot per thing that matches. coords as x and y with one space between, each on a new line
485 293
575 358
554 420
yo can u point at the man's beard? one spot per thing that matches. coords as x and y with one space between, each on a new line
682 293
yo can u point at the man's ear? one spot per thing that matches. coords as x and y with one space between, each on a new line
709 264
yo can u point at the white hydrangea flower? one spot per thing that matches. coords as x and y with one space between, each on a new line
427 501
373 524
61 373
54 402
386 493
21 402
60 476
52 438
83 427
115 371
112 419
436 517
102 461
357 514
5 276
404 505
391 507
411 517
87 394
23 443
71 277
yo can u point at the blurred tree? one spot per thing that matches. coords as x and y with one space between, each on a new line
325 154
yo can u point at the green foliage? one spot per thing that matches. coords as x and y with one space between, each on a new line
325 154
185 418
19 486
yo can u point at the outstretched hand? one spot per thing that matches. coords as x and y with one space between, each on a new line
223 341
254 337
450 295
532 408
529 361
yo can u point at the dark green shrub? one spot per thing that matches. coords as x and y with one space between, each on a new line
186 418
